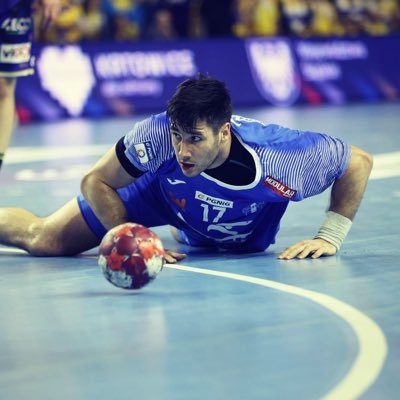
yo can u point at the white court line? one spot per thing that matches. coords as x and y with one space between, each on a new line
23 155
386 165
371 340
372 344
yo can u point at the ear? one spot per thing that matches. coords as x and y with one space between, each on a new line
225 132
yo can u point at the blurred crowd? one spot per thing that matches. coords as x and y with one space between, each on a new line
125 20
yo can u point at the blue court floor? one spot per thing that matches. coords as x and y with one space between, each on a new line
217 325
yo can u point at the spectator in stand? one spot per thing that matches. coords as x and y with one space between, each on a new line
296 18
257 18
125 19
325 21
179 14
383 17
81 20
352 13
65 28
390 12
161 26
93 21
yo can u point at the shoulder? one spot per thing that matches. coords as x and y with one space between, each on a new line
151 126
256 132
154 129
149 144
307 162
277 137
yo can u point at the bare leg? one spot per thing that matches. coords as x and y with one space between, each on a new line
7 113
63 233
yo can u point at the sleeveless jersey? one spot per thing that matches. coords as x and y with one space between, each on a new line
290 166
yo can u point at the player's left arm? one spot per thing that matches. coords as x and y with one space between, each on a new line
346 196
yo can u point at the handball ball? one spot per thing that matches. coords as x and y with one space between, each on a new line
131 256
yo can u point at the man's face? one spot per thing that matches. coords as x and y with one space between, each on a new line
201 148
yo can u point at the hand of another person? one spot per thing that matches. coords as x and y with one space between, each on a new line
49 9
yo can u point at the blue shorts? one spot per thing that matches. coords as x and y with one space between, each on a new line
16 33
145 205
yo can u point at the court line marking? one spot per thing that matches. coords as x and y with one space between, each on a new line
372 343
28 154
371 340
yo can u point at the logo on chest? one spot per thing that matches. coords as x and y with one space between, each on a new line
214 201
278 187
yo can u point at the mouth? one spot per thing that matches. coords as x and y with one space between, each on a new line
186 166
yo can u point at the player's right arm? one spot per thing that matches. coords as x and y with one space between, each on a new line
99 187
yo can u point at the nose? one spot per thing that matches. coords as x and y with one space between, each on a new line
184 151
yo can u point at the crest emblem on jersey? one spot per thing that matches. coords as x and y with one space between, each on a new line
144 151
279 188
274 71
253 208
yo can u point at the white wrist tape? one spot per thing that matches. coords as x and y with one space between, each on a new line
334 229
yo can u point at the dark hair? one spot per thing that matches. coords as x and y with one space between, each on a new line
200 99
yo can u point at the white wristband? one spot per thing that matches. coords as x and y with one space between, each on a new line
334 229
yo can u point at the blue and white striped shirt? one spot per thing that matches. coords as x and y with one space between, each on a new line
290 165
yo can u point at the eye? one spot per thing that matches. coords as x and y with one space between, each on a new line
176 136
195 138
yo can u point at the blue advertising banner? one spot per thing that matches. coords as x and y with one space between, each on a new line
93 80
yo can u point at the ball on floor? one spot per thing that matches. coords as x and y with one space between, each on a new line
131 256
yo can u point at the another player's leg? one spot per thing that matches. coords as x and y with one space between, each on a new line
16 33
63 233
7 113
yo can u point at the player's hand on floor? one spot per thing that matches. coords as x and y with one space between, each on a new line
313 248
171 257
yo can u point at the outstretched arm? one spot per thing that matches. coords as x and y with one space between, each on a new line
346 196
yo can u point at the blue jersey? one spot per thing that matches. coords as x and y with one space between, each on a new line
16 33
290 166
6 5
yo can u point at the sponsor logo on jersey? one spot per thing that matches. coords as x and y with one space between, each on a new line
215 201
15 53
16 26
175 181
278 187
